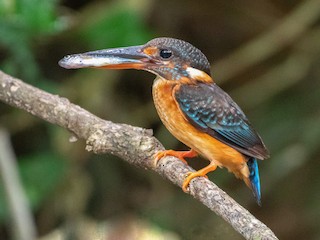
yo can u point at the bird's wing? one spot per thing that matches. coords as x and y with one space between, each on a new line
210 109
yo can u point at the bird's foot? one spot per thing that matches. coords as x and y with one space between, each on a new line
201 173
179 154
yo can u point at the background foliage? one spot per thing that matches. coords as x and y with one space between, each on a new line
75 194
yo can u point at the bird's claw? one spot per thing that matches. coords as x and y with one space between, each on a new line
178 154
165 153
189 177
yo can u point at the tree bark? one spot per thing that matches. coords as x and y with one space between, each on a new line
133 144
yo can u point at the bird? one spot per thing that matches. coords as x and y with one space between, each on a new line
191 105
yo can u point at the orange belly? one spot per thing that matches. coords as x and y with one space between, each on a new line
210 148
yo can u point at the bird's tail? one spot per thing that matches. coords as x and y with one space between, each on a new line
254 179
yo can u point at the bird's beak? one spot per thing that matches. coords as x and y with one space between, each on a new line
115 58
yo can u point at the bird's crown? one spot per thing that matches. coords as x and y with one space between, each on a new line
177 50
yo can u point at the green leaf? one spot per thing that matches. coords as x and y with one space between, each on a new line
119 27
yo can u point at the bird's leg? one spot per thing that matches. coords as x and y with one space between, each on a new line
179 154
200 173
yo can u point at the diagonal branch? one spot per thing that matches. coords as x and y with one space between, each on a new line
292 27
23 226
133 144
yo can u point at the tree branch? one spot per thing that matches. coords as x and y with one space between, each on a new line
133 144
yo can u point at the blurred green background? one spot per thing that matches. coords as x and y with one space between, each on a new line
266 54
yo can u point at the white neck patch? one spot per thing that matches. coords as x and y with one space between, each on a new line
196 74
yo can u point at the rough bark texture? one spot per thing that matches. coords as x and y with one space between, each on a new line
133 144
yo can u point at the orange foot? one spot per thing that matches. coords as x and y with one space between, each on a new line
201 173
179 154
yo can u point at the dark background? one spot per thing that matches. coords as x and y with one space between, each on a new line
266 54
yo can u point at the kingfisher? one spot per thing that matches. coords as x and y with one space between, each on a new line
191 106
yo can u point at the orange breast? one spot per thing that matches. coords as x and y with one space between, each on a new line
207 146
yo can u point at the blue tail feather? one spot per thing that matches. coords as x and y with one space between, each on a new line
254 179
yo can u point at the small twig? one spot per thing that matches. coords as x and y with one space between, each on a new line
287 31
135 145
23 226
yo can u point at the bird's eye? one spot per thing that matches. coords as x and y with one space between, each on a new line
165 53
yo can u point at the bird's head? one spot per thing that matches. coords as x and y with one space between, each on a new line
169 58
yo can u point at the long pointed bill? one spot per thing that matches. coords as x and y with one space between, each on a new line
115 58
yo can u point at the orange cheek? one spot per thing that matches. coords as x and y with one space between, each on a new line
151 51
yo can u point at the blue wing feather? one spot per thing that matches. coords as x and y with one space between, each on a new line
212 110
